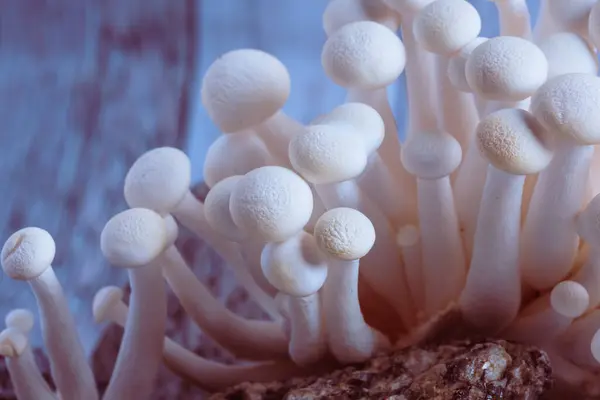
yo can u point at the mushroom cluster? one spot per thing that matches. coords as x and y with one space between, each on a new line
351 240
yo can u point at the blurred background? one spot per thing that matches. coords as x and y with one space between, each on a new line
86 86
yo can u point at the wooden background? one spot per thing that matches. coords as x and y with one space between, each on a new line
86 86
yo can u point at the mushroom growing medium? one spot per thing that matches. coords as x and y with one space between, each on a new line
353 240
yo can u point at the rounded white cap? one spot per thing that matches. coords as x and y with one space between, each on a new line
133 238
446 26
568 53
216 209
28 253
271 203
588 226
569 299
364 118
12 342
328 153
158 180
364 55
344 233
339 13
295 266
104 301
506 68
431 155
514 141
407 7
571 15
457 64
569 106
243 88
594 25
232 155
20 319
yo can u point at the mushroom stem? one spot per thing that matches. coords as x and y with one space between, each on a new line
409 240
589 276
308 342
576 341
276 133
550 237
545 24
514 18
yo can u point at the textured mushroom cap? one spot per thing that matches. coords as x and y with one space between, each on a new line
232 155
243 88
28 253
364 118
572 15
216 208
407 6
12 343
457 64
514 141
271 203
20 319
104 301
364 55
569 106
342 12
588 225
344 233
133 238
328 154
446 26
568 53
569 299
506 68
295 266
594 26
158 180
431 155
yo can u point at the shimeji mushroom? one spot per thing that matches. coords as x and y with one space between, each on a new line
109 307
135 239
516 145
27 255
342 12
298 270
159 180
568 106
568 53
576 341
571 16
589 274
514 18
345 235
409 241
27 380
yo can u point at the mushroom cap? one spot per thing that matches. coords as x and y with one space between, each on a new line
572 15
243 88
12 342
457 64
588 223
445 26
104 301
364 55
344 233
216 208
28 253
431 155
133 238
568 53
20 319
158 180
569 298
271 203
506 68
364 118
232 155
294 266
514 141
407 6
568 106
594 26
343 12
328 154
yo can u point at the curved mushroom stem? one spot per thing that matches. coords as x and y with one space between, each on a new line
256 340
308 342
589 277
70 370
25 375
492 295
545 24
576 341
409 240
140 353
277 132
514 18
550 237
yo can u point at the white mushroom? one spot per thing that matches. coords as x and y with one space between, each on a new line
572 15
515 145
27 255
409 240
568 53
589 274
345 236
568 106
514 18
576 342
